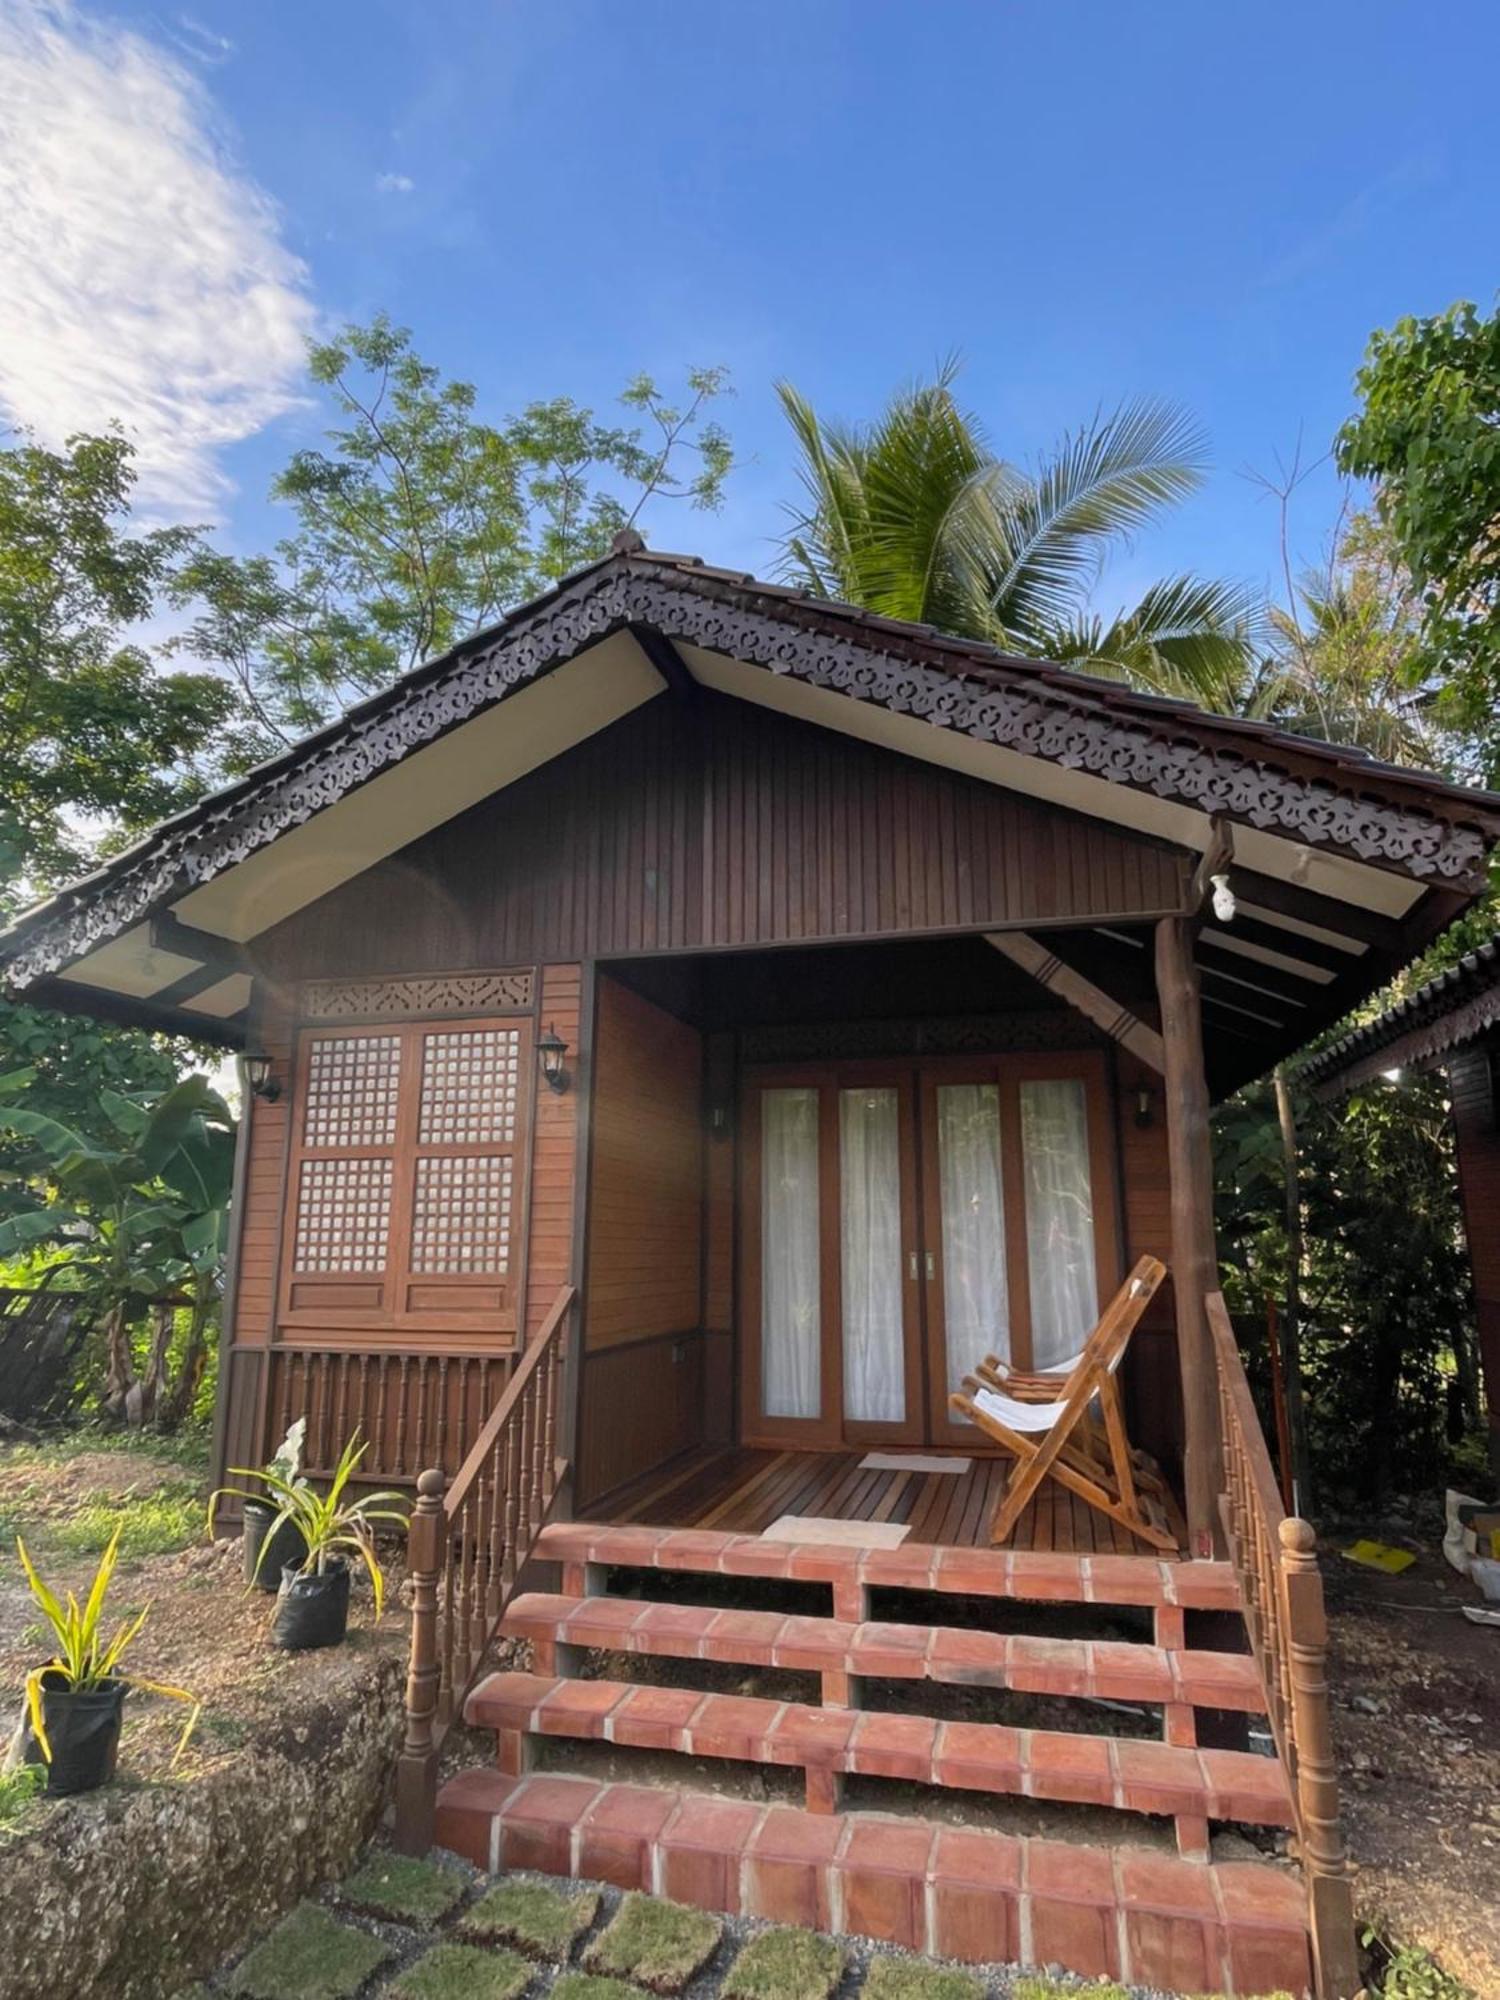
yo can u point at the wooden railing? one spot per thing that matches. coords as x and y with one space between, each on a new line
415 1407
467 1544
1275 1556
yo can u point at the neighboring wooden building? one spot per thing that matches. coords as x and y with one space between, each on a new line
1452 1023
894 990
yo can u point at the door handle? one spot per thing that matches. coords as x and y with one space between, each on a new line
931 1267
911 1265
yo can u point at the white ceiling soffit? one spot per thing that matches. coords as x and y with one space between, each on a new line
129 964
1322 873
224 999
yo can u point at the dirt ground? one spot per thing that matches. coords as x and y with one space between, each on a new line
1417 1717
203 1632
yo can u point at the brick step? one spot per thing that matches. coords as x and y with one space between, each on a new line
1057 1579
1130 1773
1108 1669
1104 1912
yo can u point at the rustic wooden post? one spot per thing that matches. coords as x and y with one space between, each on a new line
416 1771
1325 1863
1194 1257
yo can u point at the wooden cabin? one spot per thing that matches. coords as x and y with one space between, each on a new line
692 1023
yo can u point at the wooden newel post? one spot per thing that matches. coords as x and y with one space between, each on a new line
416 1771
1194 1254
1324 1859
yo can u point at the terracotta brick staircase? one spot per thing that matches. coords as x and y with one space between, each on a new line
1177 1921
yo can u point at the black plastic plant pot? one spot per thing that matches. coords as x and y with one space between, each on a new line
287 1549
83 1730
313 1610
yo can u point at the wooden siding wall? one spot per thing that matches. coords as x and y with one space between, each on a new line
710 823
646 1177
643 1365
1153 1389
1476 1118
416 1396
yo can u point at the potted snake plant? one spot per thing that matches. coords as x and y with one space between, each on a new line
74 1702
312 1608
270 1543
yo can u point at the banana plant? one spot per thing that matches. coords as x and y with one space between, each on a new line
140 1214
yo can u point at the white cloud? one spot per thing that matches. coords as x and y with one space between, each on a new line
142 275
394 183
204 44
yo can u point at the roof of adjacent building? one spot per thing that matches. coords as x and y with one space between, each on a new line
1344 866
1456 1007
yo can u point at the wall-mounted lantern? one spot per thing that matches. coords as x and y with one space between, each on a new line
1144 1098
551 1048
259 1077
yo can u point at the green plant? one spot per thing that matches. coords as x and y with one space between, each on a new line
1407 1972
327 1522
17 1789
84 1657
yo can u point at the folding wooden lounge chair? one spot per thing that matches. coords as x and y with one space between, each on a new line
1045 1423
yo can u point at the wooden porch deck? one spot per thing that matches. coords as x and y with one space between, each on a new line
743 1491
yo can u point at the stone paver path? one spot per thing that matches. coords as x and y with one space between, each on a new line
397 1929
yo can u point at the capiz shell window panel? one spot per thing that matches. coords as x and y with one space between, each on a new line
407 1178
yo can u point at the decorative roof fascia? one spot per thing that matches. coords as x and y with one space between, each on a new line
1035 715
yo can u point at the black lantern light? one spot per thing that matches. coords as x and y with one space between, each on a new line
258 1075
551 1048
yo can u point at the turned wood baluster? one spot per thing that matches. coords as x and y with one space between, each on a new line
1322 1853
450 1619
287 1361
382 1379
440 1453
497 1527
416 1770
538 1436
512 1501
377 1445
401 1415
549 1460
523 1477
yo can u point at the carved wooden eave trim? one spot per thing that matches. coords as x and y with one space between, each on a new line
1049 714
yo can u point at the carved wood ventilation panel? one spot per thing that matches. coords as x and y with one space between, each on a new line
343 1216
353 1083
461 1215
470 1081
442 993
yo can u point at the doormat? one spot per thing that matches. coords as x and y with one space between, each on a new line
848 1534
912 1461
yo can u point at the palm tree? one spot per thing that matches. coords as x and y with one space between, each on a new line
915 517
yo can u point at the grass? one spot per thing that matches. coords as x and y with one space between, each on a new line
309 1957
785 1965
157 1500
909 1979
541 1921
401 1889
459 1972
151 1524
1049 1989
17 1790
658 1945
588 1986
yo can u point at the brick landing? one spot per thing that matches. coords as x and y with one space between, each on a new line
974 1895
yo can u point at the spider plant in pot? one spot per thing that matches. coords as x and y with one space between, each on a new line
313 1607
74 1701
268 1549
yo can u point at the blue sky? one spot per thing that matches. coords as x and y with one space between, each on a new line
1213 203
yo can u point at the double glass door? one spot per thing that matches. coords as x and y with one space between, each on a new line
900 1222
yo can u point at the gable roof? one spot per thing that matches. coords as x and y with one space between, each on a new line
1377 857
1456 1007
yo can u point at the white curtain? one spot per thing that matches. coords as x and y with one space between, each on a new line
789 1316
1059 1218
975 1298
874 1333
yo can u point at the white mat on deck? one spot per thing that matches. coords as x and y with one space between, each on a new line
911 1461
848 1534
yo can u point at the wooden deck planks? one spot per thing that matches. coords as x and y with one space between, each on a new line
739 1490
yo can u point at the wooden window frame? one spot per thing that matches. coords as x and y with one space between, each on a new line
410 1301
917 1079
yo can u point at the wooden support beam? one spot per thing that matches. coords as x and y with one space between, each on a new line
667 661
184 941
1022 949
1215 860
1303 906
1194 1255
